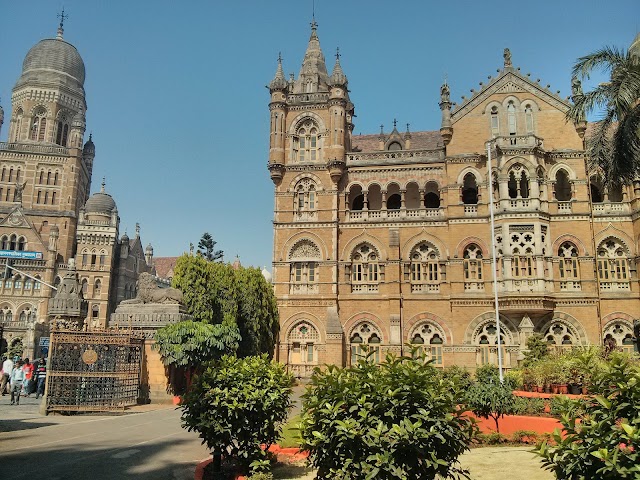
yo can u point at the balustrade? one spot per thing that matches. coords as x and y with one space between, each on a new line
364 287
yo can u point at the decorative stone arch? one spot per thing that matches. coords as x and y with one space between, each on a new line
297 122
295 319
39 107
352 324
355 183
618 325
571 325
423 236
425 183
529 167
304 249
372 183
398 183
302 176
511 98
303 330
474 171
465 242
490 105
530 101
310 236
567 237
358 240
562 166
417 321
507 328
621 316
616 234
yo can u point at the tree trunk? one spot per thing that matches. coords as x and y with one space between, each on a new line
217 461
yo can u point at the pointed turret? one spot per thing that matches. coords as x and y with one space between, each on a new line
279 82
313 75
338 78
446 129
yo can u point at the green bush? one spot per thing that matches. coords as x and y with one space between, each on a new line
491 399
605 442
528 406
487 373
524 436
493 438
461 379
537 349
515 378
396 420
237 405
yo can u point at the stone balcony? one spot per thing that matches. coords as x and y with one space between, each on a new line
401 214
395 157
524 141
611 208
34 148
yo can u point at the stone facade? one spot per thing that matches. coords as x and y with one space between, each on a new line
47 216
386 240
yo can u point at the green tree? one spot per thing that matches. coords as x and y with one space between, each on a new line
396 420
207 248
615 144
258 318
191 344
537 349
601 434
488 398
237 406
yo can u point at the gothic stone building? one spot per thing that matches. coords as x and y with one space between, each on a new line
47 217
385 239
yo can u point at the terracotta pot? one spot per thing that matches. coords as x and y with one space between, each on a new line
547 389
554 388
539 388
563 388
585 390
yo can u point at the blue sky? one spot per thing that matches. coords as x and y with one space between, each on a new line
178 106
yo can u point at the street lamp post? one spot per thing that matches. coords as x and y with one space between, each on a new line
493 256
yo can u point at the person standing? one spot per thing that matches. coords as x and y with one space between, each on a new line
17 382
41 377
7 367
28 369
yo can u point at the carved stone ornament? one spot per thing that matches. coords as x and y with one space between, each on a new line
149 292
305 249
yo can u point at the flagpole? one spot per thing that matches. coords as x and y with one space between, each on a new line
493 256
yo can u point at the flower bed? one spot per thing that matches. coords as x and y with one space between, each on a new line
513 423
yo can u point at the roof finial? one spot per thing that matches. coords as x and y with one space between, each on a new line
407 128
279 57
381 129
337 54
137 229
90 136
395 123
103 184
62 16
507 58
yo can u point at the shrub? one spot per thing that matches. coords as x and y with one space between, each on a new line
237 405
487 373
515 379
537 349
461 379
524 436
493 438
491 400
396 420
604 444
528 406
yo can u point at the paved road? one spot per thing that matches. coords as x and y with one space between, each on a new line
143 445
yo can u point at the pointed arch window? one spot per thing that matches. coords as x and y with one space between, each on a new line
518 182
97 288
306 143
304 257
528 117
495 122
425 269
621 334
18 126
560 337
428 339
472 264
511 118
36 283
563 186
366 272
613 266
523 263
568 254
305 199
365 340
303 339
486 338
39 127
470 189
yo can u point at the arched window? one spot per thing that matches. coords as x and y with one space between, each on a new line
613 265
95 312
97 288
305 199
432 196
365 270
486 338
560 336
303 339
511 118
615 193
563 186
425 268
470 189
306 146
569 271
472 265
46 198
17 283
36 283
39 127
23 316
597 190
495 123
62 130
8 315
365 339
356 198
393 146
528 117
428 338
27 284
11 174
18 127
13 242
53 198
85 287
5 242
523 263
518 182
55 178
621 334
304 257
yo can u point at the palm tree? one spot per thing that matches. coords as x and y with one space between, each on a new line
614 145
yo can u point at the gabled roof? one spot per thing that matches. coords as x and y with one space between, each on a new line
429 140
16 219
509 80
164 266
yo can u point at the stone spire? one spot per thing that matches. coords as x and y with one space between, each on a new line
313 75
279 82
68 307
337 76
62 16
446 129
1 118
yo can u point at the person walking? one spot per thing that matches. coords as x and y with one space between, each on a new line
28 370
17 382
41 377
7 367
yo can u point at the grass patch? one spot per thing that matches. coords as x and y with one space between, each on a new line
291 433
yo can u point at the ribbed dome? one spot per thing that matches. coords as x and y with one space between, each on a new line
89 147
53 59
100 202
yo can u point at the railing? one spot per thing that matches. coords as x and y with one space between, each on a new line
436 154
570 286
607 208
519 141
615 286
564 207
471 210
413 213
306 216
301 370
34 148
425 287
473 286
300 288
364 287
519 203
300 98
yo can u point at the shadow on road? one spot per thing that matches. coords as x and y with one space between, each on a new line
17 425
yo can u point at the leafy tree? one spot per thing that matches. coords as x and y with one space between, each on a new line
258 318
396 420
238 405
605 442
191 344
615 144
206 248
491 399
537 349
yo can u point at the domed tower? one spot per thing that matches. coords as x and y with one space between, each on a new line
97 253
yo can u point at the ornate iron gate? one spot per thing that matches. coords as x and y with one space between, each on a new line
97 370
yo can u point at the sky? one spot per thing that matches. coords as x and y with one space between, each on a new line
178 107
